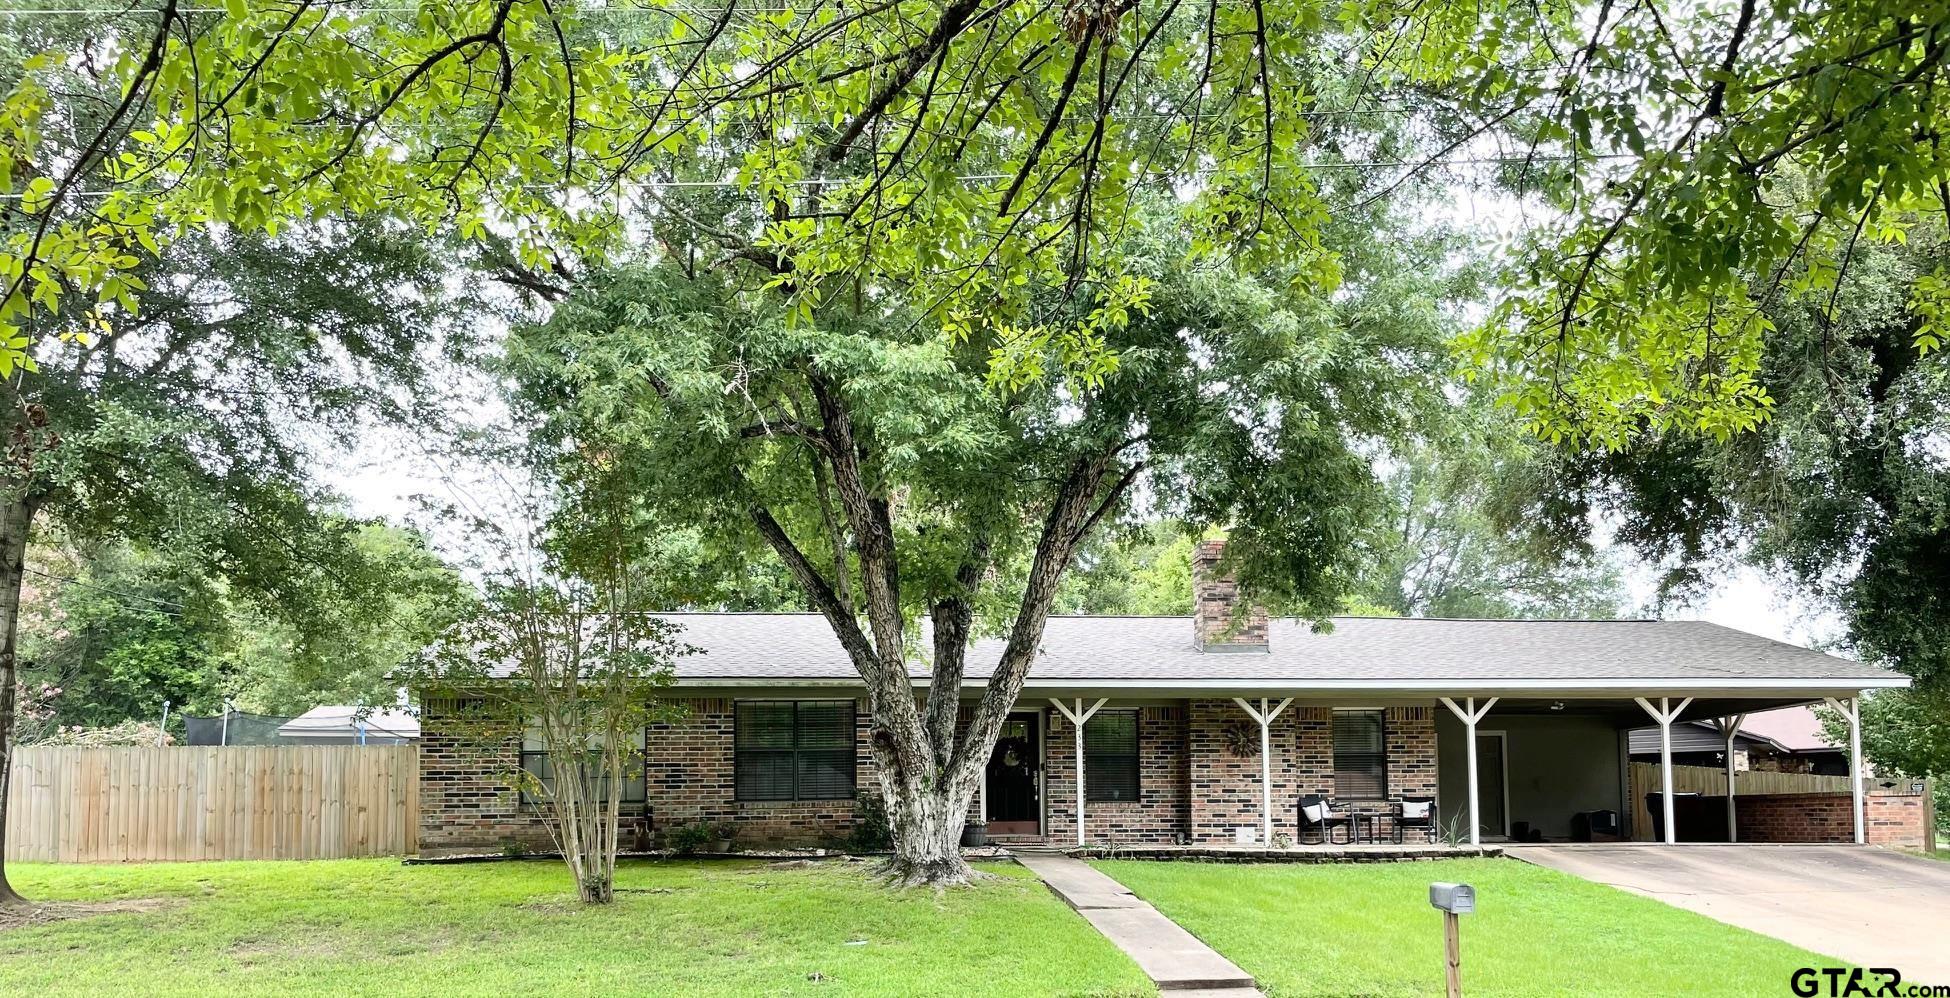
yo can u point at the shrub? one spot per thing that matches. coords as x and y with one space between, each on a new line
871 831
687 839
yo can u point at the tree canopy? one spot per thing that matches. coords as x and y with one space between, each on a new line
984 154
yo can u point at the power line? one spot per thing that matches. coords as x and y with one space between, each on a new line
111 592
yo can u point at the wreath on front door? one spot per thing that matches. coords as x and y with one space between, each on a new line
1013 753
1241 739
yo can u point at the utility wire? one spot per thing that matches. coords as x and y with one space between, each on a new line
105 589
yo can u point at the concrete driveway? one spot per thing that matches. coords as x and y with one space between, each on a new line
1862 904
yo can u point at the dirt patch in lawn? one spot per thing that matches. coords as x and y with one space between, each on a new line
48 912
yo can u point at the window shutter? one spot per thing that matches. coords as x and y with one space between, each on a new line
1360 755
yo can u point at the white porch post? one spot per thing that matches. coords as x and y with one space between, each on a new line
1664 716
1729 729
1851 708
1076 718
1469 714
1265 718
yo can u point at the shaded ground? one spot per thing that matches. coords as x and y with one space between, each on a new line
1869 906
375 927
1368 930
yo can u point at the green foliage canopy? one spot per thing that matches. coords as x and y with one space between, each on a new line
983 154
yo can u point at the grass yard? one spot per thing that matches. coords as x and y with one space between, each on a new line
1367 929
375 927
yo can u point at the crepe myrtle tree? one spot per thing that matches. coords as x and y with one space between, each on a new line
899 480
571 665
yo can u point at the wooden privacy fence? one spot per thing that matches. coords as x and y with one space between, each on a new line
106 805
1711 781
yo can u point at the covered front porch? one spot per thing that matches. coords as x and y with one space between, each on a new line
1226 772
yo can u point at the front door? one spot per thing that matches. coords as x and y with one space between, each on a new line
1015 797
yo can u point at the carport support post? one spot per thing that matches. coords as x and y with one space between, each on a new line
1664 714
1265 718
1729 729
1076 718
1469 714
1851 708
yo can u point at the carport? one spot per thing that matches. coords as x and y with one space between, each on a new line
1547 759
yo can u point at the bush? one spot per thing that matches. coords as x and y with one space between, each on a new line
687 839
871 831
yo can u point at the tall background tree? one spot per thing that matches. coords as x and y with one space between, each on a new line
189 431
895 475
1843 497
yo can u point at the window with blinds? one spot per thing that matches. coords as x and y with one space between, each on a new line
1110 756
794 750
1360 755
536 762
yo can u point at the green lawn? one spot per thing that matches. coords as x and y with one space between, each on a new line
711 928
1367 929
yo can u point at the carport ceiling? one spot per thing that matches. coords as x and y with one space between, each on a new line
1624 712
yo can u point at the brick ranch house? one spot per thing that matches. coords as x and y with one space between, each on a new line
1506 721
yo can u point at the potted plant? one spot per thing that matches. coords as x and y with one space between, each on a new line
727 834
975 833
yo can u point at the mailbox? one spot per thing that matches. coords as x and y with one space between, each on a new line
1456 899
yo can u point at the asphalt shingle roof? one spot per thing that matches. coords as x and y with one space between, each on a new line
788 647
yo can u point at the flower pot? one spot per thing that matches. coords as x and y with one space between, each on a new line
975 834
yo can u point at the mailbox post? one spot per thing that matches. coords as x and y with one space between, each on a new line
1452 900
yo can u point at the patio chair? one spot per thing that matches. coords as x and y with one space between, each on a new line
1318 815
1416 812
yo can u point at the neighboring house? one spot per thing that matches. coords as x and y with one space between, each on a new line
1368 713
343 725
1788 740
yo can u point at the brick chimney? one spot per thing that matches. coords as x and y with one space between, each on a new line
1217 623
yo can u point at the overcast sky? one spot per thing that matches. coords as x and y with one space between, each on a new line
390 469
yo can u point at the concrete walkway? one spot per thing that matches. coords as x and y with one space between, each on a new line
1174 959
1860 903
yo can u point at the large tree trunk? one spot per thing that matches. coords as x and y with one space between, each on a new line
927 824
16 521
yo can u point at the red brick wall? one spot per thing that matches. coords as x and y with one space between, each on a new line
1161 811
1411 751
1191 786
688 774
1225 789
468 803
1828 817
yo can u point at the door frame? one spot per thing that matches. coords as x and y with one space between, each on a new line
1040 723
1502 737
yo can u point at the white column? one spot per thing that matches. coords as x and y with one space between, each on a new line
1470 714
1664 714
1729 730
1851 708
1076 718
1265 718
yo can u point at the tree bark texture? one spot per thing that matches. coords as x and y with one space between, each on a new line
16 522
927 774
